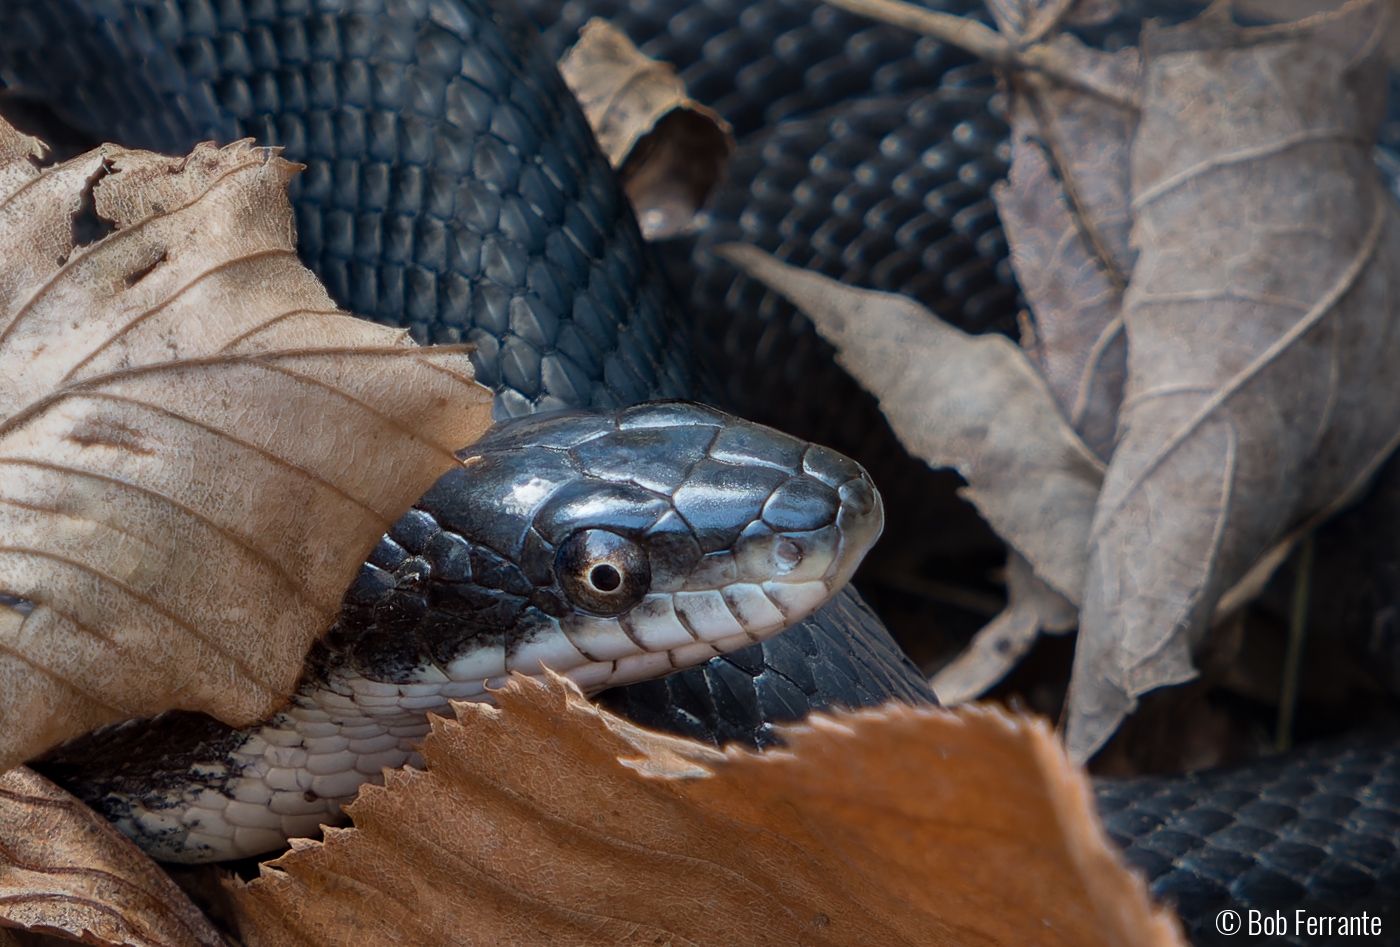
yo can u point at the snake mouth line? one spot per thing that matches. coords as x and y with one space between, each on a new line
740 531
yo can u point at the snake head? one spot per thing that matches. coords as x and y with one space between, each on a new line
615 547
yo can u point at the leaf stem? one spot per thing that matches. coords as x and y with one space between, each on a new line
1293 657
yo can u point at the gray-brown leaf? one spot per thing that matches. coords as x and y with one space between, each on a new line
1262 326
1065 210
1032 607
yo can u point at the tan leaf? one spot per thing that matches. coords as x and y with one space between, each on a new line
973 403
550 821
1261 322
669 150
196 449
1092 12
64 869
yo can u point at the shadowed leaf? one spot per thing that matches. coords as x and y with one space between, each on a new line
1065 210
63 868
1032 607
1262 331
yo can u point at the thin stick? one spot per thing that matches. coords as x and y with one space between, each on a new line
1293 658
983 41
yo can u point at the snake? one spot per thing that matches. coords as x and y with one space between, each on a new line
609 547
452 187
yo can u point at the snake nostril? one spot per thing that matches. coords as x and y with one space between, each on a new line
788 555
858 496
605 578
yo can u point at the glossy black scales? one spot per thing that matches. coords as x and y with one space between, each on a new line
422 597
1323 822
684 504
451 183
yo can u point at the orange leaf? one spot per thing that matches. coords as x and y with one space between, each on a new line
548 820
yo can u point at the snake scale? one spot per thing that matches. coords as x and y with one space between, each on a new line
444 162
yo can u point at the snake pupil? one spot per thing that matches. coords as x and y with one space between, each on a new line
605 578
601 572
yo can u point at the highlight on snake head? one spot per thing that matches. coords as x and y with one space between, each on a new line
618 547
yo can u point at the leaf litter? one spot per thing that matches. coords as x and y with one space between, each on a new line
549 820
1206 247
140 450
309 893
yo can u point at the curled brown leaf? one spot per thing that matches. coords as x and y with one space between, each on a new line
669 150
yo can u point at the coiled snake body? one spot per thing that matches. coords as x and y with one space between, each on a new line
452 187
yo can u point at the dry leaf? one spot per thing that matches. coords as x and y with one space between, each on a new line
63 868
1032 607
549 820
197 450
1065 211
669 150
1259 313
1261 330
973 403
1282 11
1025 21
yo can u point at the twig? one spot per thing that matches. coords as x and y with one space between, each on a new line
944 593
983 41
1293 657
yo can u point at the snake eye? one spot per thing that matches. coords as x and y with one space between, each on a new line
602 573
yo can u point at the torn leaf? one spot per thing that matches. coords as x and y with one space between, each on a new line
196 449
669 150
869 828
973 403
